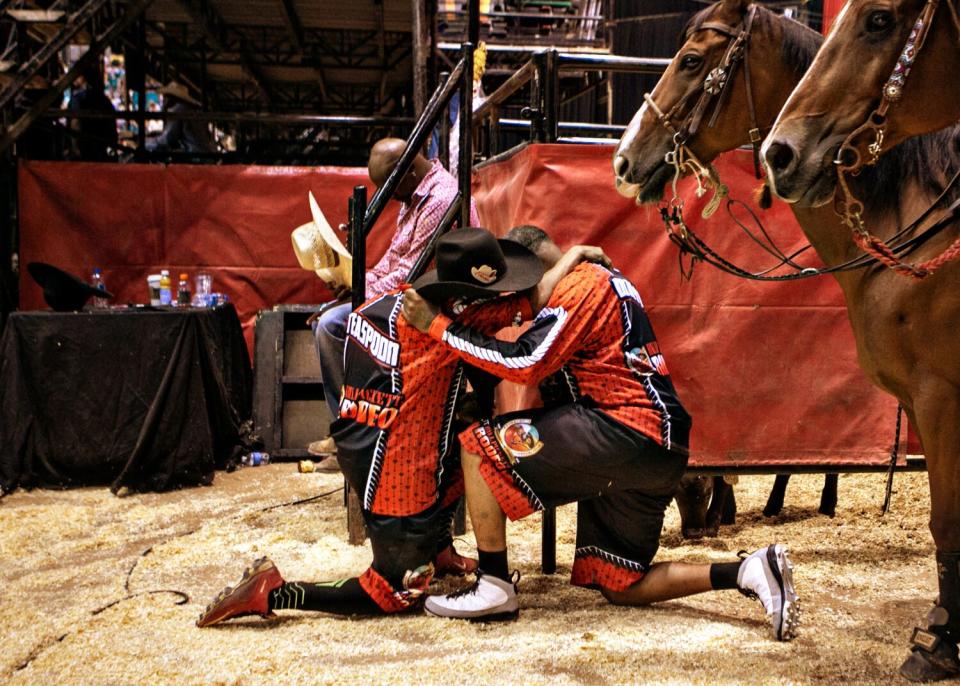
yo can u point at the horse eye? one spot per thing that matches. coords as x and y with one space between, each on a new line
691 62
880 20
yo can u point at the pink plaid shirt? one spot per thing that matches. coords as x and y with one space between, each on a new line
416 223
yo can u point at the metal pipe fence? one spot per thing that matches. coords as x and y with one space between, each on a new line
542 73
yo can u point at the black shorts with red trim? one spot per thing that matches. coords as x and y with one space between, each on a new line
622 481
401 544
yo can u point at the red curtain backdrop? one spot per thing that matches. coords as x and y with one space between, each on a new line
234 222
831 8
767 370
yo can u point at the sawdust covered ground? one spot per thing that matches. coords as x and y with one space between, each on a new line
70 556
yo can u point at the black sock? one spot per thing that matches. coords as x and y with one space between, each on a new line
724 575
344 597
494 563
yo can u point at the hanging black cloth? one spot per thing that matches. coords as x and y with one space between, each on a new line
150 400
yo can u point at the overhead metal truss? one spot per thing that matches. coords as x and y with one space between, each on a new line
236 67
307 56
103 22
274 46
220 34
301 97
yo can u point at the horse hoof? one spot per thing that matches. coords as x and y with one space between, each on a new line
771 510
923 666
828 510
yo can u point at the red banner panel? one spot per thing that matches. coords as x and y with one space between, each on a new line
234 222
768 370
831 8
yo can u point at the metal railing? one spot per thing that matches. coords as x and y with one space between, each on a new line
542 70
459 80
583 24
542 73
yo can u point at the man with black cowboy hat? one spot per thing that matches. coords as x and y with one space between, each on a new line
394 430
616 445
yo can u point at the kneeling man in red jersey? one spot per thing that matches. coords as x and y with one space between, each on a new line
616 444
394 434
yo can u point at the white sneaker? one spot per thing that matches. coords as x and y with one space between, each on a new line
767 574
489 599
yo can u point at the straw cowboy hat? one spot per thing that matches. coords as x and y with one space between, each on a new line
473 263
177 90
319 250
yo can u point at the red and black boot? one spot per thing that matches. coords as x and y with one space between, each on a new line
250 597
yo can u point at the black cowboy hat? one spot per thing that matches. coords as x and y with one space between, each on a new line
472 262
63 291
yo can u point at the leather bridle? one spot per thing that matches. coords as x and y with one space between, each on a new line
715 89
684 160
891 94
850 161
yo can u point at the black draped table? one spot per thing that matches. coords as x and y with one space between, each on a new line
149 399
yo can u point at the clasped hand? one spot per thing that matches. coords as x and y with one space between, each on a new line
418 312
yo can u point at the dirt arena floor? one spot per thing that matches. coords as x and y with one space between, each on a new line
86 575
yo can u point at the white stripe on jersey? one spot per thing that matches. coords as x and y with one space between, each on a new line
497 357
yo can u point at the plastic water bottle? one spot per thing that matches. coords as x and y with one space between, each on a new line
166 293
183 292
255 459
97 282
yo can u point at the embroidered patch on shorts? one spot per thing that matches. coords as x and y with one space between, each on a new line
520 438
489 445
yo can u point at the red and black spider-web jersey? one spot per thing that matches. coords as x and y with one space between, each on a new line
398 401
595 332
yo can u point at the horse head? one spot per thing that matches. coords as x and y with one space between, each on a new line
736 67
864 93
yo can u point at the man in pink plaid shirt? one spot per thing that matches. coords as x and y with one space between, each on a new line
426 193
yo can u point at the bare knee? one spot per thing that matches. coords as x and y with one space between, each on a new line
614 597
631 596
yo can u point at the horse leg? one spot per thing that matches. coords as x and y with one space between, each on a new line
693 497
775 501
720 506
828 496
729 514
934 650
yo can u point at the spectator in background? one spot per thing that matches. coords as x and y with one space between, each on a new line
184 135
96 139
425 193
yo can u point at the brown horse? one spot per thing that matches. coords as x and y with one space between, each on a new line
903 328
864 62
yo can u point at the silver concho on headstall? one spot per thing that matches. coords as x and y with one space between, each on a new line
715 81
